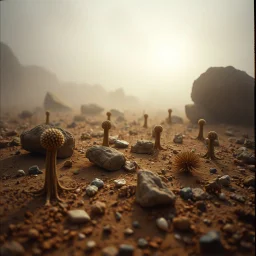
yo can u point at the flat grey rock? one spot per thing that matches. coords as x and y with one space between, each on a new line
30 141
78 216
121 144
108 158
151 191
143 147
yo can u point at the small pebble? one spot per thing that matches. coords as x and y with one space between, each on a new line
162 224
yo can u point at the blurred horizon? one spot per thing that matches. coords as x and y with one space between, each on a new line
154 50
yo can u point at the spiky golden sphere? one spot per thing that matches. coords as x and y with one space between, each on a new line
201 122
186 162
212 135
106 125
158 129
52 139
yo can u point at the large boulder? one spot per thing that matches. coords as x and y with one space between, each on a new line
108 158
223 95
151 191
116 113
30 141
53 103
91 109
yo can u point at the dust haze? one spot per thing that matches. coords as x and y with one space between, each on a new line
137 55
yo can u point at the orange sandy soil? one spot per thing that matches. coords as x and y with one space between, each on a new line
19 212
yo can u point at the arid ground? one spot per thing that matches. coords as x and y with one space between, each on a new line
52 233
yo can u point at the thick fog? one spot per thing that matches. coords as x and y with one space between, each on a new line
152 49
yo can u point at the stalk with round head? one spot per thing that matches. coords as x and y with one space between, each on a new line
108 115
201 123
145 121
47 113
157 130
51 139
212 136
169 116
106 125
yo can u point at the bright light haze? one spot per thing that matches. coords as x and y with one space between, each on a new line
154 49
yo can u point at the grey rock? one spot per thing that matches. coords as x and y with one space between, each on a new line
224 180
20 173
98 183
128 231
79 118
15 142
119 183
178 138
199 194
130 166
213 170
54 104
210 243
162 224
90 245
98 134
108 158
91 109
30 141
72 125
143 147
78 216
176 119
240 141
121 144
151 191
116 113
142 243
112 139
229 133
186 193
242 153
34 170
238 198
91 190
201 206
85 136
249 144
136 224
98 208
126 250
249 181
12 248
118 216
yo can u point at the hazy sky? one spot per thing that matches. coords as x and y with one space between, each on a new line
151 48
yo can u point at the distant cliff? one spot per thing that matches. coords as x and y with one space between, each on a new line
26 87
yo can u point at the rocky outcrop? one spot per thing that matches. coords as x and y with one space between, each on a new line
91 109
222 95
53 103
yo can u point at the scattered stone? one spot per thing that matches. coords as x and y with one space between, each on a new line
75 172
128 231
72 125
81 236
199 194
162 224
112 139
142 243
229 133
210 242
79 118
33 233
213 170
178 138
238 198
229 228
90 245
78 216
224 180
11 133
12 248
240 141
108 158
68 164
85 136
98 183
151 191
109 251
34 170
118 216
15 142
249 181
97 134
91 109
222 196
186 193
249 144
126 250
20 173
91 190
98 208
143 147
54 104
181 223
130 166
107 229
119 183
121 144
136 224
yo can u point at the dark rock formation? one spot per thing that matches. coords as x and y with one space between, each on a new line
53 103
91 109
223 95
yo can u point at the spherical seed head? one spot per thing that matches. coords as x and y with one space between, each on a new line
212 135
201 122
47 113
158 129
106 125
52 139
186 161
146 115
170 110
108 114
